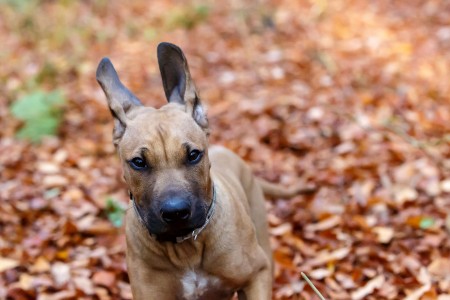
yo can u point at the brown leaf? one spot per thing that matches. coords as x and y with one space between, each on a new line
384 234
84 284
7 263
60 273
440 267
104 278
325 256
324 224
368 288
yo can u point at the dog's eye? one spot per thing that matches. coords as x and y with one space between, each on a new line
194 156
138 163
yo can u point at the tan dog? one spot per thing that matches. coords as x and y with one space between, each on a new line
198 226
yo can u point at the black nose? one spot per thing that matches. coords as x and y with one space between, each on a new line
175 209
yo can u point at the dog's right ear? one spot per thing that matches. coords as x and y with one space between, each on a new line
120 99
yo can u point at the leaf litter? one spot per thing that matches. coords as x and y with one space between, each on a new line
350 97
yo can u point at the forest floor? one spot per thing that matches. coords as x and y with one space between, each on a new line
350 97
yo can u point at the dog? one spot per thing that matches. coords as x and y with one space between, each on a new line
197 226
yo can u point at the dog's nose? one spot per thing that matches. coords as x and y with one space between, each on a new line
175 209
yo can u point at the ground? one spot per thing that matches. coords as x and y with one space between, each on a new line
348 97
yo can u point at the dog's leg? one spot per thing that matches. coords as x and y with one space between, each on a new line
260 285
259 288
146 285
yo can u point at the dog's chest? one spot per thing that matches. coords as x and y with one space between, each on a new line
198 285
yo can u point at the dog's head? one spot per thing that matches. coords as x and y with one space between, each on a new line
164 152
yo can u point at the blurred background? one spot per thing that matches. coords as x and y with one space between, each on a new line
351 97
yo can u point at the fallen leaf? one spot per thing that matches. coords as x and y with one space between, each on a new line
282 229
426 223
54 181
104 278
325 224
418 293
384 234
319 274
368 288
404 194
7 263
325 256
445 185
60 273
41 265
26 282
440 267
84 284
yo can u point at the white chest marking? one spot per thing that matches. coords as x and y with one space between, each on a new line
195 284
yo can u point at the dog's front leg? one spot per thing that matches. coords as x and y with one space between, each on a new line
152 285
259 288
148 283
260 285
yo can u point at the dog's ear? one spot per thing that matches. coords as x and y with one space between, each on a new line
120 99
177 81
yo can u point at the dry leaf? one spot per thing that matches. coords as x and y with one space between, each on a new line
325 224
319 274
60 273
368 288
440 267
418 293
84 284
325 256
7 263
352 101
282 229
104 278
384 234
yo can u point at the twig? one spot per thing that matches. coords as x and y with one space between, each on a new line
312 286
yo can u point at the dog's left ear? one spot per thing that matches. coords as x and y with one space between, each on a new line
177 82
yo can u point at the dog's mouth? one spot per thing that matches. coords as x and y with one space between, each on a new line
170 231
176 233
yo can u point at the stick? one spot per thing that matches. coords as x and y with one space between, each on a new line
312 286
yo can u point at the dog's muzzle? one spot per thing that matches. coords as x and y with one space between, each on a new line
176 210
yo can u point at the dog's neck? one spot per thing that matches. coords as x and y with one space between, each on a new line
192 235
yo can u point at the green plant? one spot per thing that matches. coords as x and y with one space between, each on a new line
115 211
19 4
41 113
187 16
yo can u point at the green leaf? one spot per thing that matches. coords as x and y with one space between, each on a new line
30 106
48 194
116 218
37 105
35 130
41 113
115 211
426 223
